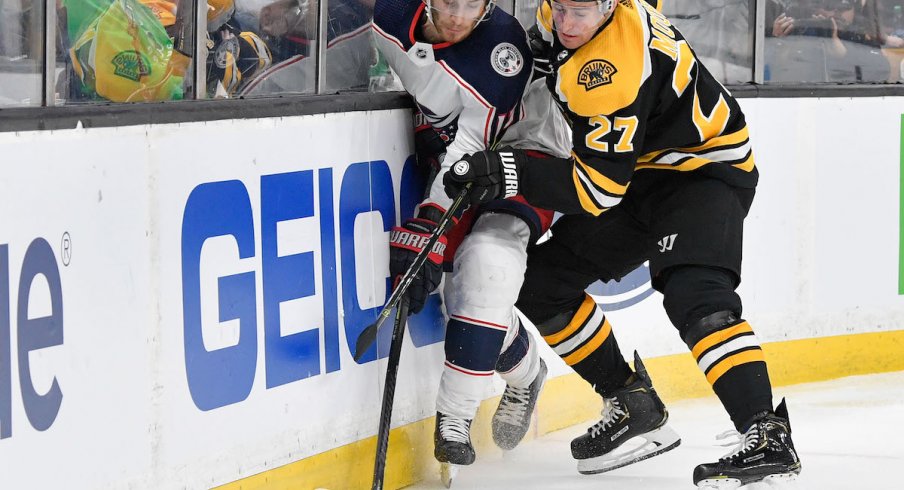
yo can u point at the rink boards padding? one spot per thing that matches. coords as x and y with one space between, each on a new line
178 301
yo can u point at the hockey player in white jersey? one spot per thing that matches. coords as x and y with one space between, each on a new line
467 66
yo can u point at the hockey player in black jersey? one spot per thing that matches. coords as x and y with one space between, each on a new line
661 170
467 65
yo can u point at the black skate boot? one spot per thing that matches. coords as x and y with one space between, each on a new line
512 417
452 445
632 411
764 453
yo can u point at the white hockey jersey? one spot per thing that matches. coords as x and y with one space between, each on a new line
472 91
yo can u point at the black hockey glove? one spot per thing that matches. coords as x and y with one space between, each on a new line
404 244
428 147
541 51
495 175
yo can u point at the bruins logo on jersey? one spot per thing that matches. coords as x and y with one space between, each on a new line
596 73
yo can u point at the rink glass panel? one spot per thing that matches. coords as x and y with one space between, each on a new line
720 32
119 51
122 50
291 30
865 44
21 52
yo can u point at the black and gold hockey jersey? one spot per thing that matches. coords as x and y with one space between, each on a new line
637 99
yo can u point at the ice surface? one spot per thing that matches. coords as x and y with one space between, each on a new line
849 433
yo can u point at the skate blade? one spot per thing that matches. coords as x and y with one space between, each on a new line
778 480
782 480
657 442
719 484
447 473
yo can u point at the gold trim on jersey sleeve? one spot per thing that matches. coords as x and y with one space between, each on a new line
595 191
601 181
740 157
746 165
727 140
733 149
584 198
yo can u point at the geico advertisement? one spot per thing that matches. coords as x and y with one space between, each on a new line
327 262
273 258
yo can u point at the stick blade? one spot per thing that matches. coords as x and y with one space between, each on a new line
365 340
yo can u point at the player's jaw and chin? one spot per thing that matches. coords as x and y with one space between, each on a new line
453 21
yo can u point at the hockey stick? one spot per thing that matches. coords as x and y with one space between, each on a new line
392 369
369 334
183 30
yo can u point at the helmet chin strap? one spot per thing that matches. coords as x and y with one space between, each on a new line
606 7
429 9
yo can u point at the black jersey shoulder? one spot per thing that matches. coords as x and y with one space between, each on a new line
495 60
396 17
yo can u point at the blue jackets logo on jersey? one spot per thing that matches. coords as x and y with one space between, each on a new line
596 73
507 60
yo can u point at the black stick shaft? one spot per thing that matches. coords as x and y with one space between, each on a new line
392 370
367 337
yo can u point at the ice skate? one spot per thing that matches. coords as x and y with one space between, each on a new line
632 412
764 453
452 440
513 415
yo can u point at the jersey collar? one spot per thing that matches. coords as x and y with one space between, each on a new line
417 17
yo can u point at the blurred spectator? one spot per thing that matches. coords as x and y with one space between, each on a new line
872 20
238 54
290 28
235 54
839 40
894 39
896 27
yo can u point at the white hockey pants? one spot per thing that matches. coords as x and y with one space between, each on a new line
483 333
